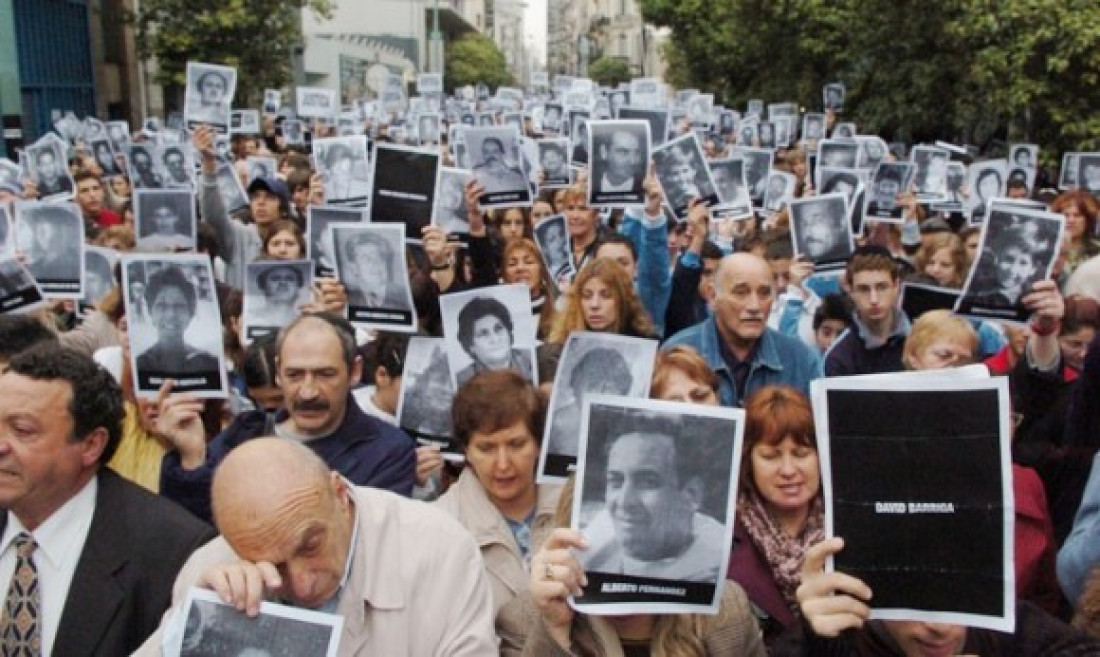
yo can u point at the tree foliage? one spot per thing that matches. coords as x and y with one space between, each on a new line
609 71
972 71
475 58
257 37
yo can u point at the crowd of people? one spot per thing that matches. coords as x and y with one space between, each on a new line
304 486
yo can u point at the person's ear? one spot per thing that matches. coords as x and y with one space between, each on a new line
382 378
93 446
356 372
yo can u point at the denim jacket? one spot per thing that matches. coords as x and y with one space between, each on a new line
654 284
777 360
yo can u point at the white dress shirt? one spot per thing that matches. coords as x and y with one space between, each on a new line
60 542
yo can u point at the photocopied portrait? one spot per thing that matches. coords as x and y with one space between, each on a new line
656 483
174 324
619 158
683 174
49 167
489 329
51 237
820 229
209 95
427 391
344 167
275 292
495 157
370 261
164 220
591 364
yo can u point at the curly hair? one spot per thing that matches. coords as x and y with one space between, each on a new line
632 320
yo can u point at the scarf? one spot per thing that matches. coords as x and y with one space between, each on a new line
783 553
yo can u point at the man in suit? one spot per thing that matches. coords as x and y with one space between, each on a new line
103 552
296 531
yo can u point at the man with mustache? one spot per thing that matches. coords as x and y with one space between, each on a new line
317 366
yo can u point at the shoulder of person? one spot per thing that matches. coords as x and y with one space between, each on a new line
154 525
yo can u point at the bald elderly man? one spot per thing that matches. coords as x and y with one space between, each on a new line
407 578
736 341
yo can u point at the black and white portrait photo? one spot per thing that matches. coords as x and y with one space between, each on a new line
733 194
105 157
616 100
872 152
758 165
449 210
293 132
844 131
591 364
922 494
987 181
1018 247
427 391
143 166
51 237
319 246
747 132
784 130
754 107
489 328
657 117
1067 174
833 96
765 134
119 134
174 324
49 167
552 114
98 274
10 175
552 237
727 122
578 137
1088 173
273 100
619 156
370 262
889 181
245 122
700 109
645 92
837 153
930 178
19 293
343 165
554 163
780 190
315 103
845 181
212 628
496 164
230 189
683 174
209 95
261 167
813 127
1024 156
656 483
955 196
176 169
427 130
405 180
820 230
275 292
164 220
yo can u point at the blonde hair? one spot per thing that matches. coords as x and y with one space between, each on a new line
631 317
934 325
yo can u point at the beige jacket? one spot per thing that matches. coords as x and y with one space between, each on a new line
417 587
732 633
467 502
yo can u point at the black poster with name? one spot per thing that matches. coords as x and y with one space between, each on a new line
919 488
